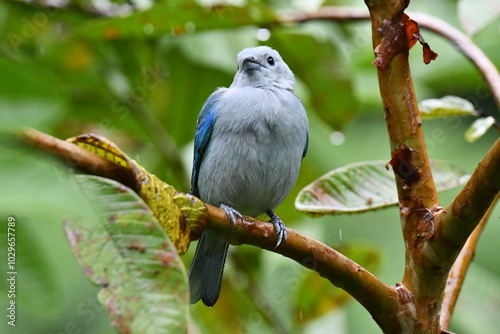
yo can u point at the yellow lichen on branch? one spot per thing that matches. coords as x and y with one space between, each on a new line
181 215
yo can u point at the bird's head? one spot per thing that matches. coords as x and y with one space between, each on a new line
261 66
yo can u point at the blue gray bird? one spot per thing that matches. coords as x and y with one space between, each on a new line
249 143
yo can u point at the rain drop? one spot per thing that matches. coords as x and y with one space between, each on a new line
148 28
190 27
263 34
337 138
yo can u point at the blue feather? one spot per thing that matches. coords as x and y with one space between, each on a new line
204 128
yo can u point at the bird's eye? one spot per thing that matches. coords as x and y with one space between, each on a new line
270 61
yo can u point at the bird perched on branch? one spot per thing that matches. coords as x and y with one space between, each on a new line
249 143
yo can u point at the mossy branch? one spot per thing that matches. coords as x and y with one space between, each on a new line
381 300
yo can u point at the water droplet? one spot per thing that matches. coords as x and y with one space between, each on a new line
190 27
148 28
337 138
263 34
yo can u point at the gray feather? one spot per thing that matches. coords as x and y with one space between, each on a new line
205 274
250 157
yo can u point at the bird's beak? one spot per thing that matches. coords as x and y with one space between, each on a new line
250 64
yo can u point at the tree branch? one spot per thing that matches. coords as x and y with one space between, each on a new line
417 194
379 299
78 158
455 224
463 43
433 236
459 270
467 47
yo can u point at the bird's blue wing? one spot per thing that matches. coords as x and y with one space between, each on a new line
205 274
204 128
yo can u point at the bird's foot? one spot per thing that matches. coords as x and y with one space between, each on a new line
231 213
279 227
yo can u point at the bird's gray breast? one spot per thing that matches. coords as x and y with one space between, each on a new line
253 158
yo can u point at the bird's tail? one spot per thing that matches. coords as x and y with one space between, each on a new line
205 274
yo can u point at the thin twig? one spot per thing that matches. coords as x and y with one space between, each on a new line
459 270
465 46
78 158
463 43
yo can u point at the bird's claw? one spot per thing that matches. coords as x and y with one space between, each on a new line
231 213
279 227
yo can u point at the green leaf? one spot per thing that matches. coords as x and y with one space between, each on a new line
175 20
144 284
476 15
365 186
447 106
477 129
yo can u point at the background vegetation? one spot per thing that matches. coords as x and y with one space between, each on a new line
65 72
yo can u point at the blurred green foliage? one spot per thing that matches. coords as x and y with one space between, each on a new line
138 73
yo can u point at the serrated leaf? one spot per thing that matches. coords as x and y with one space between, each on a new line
478 128
144 283
181 215
365 186
447 106
171 19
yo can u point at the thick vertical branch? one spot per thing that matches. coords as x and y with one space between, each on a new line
433 237
416 191
453 225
